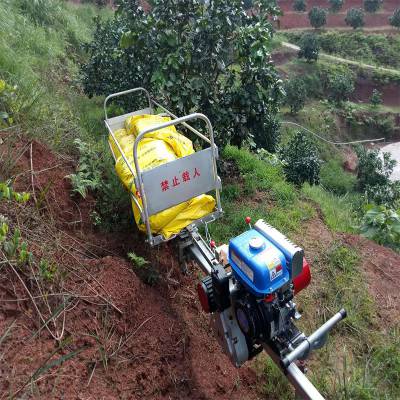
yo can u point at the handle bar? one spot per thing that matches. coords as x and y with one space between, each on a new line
124 92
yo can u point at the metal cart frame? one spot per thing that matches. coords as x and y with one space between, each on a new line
146 180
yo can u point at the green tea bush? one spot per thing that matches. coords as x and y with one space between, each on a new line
299 5
338 81
309 47
395 18
376 98
317 17
355 18
372 6
296 94
335 179
335 5
340 87
301 160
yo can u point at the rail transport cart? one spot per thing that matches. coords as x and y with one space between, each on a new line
250 283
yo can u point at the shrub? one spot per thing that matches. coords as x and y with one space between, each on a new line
335 179
309 47
301 160
95 174
376 98
296 93
373 169
317 17
208 56
299 5
355 18
340 86
336 5
388 194
382 225
395 18
372 6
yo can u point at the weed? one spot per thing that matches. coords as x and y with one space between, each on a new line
89 172
335 179
275 384
337 211
47 270
147 272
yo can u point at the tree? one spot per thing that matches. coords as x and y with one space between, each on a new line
296 92
309 47
373 169
299 5
340 86
301 160
317 17
372 6
376 98
336 5
355 18
193 55
395 18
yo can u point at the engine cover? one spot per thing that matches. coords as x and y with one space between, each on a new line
257 263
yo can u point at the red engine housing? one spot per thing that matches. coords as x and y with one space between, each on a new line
302 280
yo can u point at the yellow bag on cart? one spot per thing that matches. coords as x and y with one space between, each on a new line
157 148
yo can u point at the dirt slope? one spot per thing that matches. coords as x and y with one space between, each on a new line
134 341
157 346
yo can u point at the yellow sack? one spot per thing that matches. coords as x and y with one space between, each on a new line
197 208
151 153
159 220
157 148
124 140
138 123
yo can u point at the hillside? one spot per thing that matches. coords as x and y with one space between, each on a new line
93 312
377 22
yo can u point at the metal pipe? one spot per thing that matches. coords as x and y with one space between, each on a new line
304 389
205 138
127 92
307 345
138 170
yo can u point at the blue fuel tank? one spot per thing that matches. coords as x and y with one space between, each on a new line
257 263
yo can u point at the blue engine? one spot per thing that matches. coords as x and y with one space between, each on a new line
257 263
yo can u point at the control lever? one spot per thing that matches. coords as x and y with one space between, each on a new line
314 341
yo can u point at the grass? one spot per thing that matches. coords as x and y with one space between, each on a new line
359 362
260 192
336 210
39 54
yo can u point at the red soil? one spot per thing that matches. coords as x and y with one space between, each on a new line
381 267
167 349
388 5
364 87
292 19
159 344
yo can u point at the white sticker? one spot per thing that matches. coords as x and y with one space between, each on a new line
274 273
243 266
